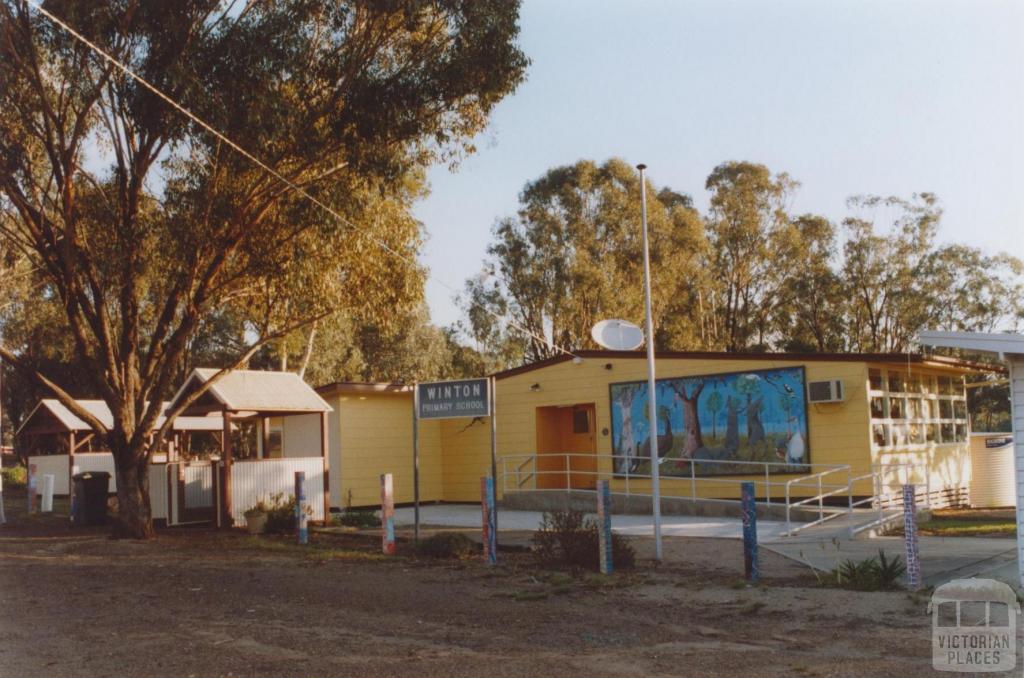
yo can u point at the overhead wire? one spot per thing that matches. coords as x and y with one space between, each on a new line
274 173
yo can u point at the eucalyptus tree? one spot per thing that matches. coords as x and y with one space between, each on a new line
753 252
572 256
143 224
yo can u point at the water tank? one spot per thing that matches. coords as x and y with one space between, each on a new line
992 470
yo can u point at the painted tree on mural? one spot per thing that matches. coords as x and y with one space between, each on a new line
693 440
142 225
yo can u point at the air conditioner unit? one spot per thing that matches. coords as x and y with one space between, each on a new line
830 391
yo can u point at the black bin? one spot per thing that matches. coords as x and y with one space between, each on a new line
91 490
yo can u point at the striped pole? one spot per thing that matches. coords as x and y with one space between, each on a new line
3 518
71 496
32 488
910 537
387 514
751 567
604 526
301 519
489 528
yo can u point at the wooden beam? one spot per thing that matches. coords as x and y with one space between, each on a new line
226 459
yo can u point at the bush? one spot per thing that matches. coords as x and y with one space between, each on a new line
448 545
566 539
871 574
361 518
15 476
281 514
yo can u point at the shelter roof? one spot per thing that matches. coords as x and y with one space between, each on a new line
257 391
64 419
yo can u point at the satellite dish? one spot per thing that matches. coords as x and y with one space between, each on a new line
617 335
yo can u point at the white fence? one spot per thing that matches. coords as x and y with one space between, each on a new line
252 481
57 464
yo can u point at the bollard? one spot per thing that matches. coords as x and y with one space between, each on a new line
751 567
910 537
73 517
31 485
387 514
604 526
489 528
301 519
3 518
46 505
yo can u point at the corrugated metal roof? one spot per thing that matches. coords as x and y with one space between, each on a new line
99 409
258 391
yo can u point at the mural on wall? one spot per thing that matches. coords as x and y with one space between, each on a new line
759 415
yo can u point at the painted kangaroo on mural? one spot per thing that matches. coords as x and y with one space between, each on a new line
665 440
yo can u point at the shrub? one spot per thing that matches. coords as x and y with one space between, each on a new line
448 545
871 574
15 476
361 518
281 514
566 539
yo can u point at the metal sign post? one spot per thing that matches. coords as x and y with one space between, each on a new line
416 466
450 400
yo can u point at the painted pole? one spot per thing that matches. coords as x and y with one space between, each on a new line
387 514
415 465
604 526
652 406
3 518
910 537
492 388
73 517
46 506
301 519
751 566
32 488
489 530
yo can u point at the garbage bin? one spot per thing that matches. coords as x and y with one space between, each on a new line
90 498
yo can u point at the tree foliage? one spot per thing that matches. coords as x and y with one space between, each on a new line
748 276
144 228
572 256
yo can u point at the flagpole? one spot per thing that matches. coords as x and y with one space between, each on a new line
652 406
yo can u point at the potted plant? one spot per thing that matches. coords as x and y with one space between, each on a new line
256 518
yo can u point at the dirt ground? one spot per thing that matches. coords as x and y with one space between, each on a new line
196 602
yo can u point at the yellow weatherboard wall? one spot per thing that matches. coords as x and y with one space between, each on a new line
371 433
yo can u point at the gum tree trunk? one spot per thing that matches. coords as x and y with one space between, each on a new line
134 514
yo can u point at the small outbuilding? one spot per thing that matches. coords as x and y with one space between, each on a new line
257 397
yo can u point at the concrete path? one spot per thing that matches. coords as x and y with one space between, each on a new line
942 558
821 548
462 515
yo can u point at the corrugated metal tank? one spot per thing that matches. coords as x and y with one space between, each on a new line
992 470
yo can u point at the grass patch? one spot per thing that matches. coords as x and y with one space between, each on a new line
946 527
871 574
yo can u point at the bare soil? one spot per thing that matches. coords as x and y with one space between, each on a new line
197 602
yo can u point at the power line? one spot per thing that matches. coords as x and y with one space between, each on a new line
270 170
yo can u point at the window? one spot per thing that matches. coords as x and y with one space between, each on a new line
875 380
581 421
910 409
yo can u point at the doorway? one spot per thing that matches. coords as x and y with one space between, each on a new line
566 447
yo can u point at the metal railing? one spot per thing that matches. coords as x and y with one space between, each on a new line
580 471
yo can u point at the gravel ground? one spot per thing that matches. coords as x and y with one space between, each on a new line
197 602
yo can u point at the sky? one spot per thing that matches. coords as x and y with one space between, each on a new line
848 97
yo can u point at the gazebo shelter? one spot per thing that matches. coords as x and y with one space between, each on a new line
57 441
258 396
